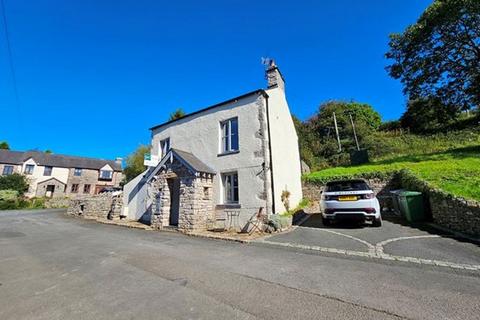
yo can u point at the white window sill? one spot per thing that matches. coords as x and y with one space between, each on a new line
228 153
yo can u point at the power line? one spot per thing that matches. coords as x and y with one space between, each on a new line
10 58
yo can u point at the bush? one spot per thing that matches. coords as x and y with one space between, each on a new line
15 182
10 200
8 195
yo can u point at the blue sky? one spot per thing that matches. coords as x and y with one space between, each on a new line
94 75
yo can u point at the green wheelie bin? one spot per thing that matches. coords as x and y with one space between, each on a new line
411 205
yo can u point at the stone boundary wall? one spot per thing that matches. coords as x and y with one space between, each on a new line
55 203
101 206
446 210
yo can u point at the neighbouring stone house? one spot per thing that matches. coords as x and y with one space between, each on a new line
240 154
53 175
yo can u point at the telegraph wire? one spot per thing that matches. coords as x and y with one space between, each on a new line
10 59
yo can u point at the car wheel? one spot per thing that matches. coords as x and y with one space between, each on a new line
325 222
377 222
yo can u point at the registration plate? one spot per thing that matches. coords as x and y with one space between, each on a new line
347 198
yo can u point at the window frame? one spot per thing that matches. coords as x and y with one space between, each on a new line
229 137
6 172
74 188
229 193
29 166
77 172
109 178
87 188
164 147
48 169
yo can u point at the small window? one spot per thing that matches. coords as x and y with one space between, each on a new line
106 175
74 188
164 147
77 172
229 135
47 171
206 193
86 188
7 170
230 188
29 169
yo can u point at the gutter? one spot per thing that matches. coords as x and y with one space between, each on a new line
270 153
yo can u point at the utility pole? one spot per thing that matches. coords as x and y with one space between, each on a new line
354 132
336 131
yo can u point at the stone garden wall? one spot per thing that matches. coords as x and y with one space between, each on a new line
448 211
101 206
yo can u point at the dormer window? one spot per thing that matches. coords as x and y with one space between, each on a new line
229 136
106 174
164 147
29 169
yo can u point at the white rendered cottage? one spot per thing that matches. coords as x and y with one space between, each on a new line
240 154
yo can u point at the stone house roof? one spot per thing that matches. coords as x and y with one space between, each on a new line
56 160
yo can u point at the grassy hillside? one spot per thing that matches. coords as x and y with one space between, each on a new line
456 171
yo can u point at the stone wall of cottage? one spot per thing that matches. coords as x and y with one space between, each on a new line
59 191
88 177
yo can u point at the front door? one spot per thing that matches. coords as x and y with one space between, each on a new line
50 190
174 186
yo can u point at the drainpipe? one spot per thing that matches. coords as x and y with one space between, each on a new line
270 151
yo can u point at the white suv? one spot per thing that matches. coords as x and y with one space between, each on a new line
350 200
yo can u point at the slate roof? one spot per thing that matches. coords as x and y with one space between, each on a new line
56 160
193 161
256 92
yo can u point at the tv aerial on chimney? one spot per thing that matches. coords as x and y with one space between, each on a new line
268 62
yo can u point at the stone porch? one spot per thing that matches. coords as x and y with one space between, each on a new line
181 194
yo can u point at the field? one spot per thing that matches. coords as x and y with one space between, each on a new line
456 171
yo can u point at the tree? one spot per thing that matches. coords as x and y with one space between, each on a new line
48 151
366 119
134 163
439 55
317 142
177 114
427 115
15 182
4 145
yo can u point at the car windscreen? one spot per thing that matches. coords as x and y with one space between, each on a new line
352 185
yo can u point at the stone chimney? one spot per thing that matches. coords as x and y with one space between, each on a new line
119 161
274 77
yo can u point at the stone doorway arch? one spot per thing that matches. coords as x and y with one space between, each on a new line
179 188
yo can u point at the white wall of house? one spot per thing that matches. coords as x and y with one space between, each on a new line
285 150
135 199
200 135
58 173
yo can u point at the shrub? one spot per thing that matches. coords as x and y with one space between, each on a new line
8 195
15 182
